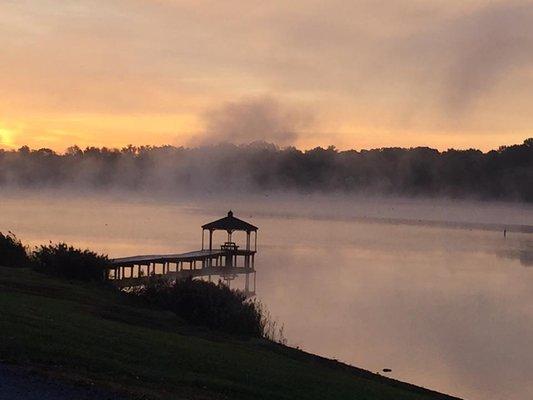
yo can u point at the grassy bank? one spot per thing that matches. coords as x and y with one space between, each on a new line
88 333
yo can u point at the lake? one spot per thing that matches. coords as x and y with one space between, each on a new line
430 289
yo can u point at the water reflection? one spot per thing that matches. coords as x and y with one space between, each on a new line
524 255
443 307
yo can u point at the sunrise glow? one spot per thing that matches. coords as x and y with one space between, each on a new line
355 75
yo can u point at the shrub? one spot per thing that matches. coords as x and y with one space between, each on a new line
68 262
207 304
12 252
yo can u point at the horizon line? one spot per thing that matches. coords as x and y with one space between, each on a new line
251 144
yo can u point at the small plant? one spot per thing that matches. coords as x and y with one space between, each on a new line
12 252
270 328
69 262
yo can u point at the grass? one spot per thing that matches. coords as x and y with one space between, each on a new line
87 333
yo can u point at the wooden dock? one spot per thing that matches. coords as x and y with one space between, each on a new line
227 262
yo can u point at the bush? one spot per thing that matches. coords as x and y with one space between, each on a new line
206 304
12 252
68 262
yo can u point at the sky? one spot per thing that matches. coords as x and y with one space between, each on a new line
354 74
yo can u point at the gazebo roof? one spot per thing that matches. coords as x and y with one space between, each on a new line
230 223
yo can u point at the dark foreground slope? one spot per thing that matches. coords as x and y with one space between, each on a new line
17 383
94 336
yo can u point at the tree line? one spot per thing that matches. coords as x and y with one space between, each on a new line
502 174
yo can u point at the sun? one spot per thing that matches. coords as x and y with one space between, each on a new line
6 138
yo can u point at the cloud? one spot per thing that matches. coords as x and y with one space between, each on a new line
491 45
412 57
466 58
254 119
373 70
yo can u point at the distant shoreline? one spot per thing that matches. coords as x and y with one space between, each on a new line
259 167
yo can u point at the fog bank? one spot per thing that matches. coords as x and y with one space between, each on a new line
259 167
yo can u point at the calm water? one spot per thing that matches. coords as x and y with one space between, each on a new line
431 290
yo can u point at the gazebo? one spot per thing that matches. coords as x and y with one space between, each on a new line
230 224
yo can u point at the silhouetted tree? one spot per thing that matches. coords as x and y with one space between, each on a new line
12 252
68 262
505 173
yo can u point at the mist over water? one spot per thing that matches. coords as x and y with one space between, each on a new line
260 167
430 289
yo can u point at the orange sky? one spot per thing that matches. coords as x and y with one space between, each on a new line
353 74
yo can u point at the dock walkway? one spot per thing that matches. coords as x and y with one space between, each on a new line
198 255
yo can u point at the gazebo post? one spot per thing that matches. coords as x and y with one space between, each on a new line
210 261
247 256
